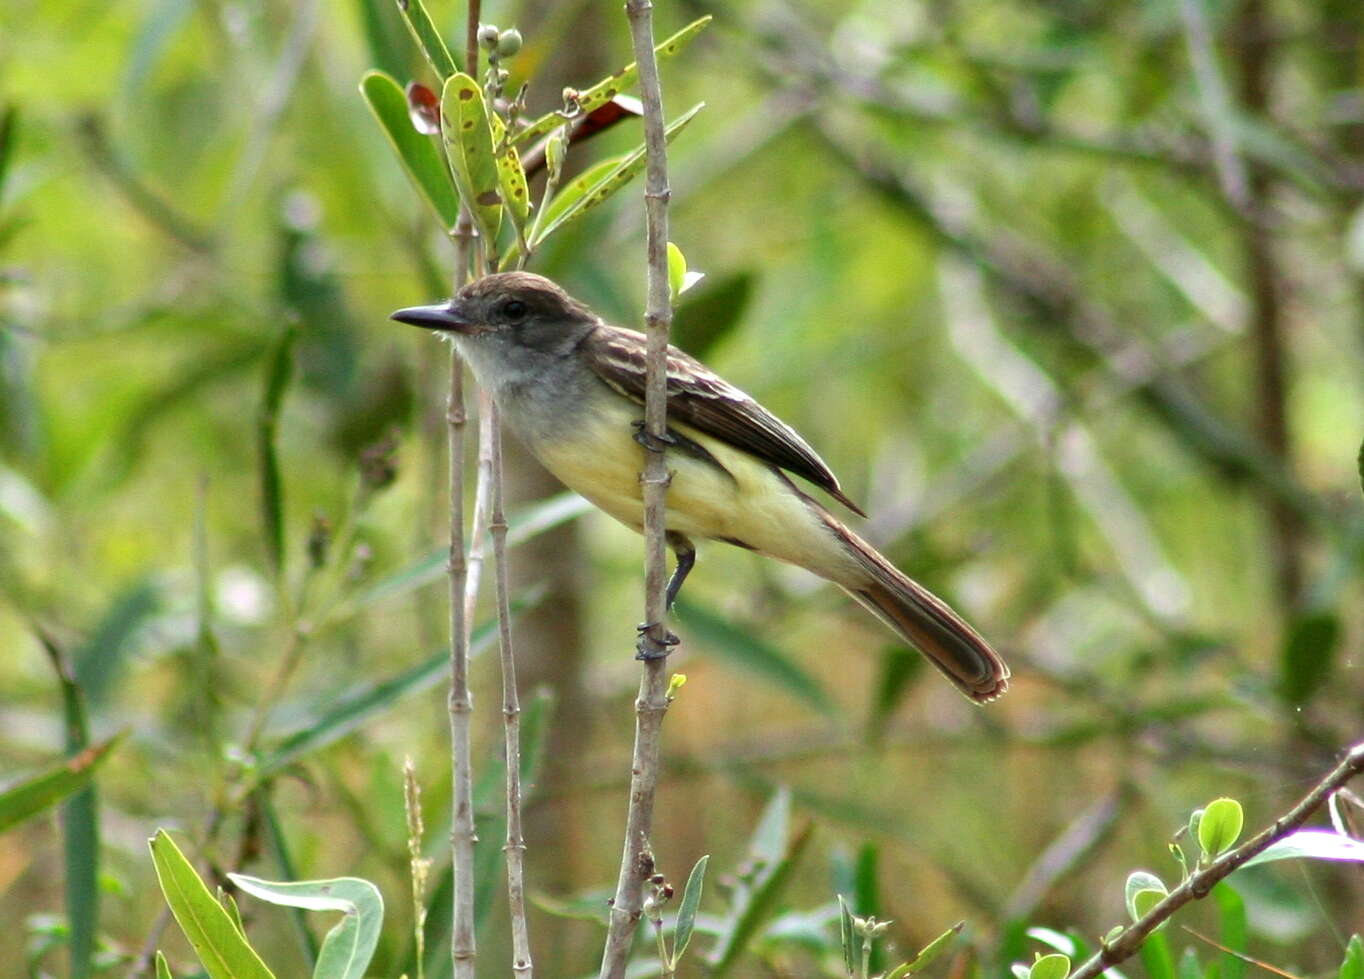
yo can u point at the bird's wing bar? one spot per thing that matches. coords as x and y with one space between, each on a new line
701 398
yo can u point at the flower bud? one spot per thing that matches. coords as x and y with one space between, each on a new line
509 42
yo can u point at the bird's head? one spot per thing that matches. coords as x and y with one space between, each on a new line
523 307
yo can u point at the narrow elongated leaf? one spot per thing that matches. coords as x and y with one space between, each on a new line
162 969
468 140
1353 965
279 371
511 175
1232 912
350 710
1156 956
99 661
1315 844
383 36
686 911
611 86
845 936
349 946
579 197
523 524
52 783
929 954
1307 659
9 130
747 651
416 152
867 899
754 906
710 312
221 948
424 32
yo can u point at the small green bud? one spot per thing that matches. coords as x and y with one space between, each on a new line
488 35
554 155
509 42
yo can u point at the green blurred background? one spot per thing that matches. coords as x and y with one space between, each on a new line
1069 295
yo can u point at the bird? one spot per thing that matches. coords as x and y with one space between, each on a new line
571 387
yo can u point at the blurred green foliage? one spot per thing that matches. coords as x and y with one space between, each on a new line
1024 274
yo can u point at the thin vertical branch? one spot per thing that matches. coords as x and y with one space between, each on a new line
462 830
515 847
652 702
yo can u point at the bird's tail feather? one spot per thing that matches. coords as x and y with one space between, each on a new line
927 623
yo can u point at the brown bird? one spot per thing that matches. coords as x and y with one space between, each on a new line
572 388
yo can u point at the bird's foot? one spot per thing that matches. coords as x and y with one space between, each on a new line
648 647
654 443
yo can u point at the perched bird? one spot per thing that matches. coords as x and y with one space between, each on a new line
572 388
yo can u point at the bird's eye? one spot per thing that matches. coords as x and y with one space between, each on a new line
514 309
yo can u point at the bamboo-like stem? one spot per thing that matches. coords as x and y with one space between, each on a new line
652 703
463 833
515 846
1200 883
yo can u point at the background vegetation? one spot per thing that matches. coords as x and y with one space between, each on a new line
1068 294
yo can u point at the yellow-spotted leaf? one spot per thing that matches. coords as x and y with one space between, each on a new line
611 86
600 182
468 140
511 176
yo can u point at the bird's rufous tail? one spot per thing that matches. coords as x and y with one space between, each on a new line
926 623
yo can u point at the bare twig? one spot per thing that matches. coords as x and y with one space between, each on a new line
652 702
463 834
1200 883
515 847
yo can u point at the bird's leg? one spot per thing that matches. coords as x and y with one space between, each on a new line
686 559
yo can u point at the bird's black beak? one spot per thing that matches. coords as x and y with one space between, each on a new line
442 316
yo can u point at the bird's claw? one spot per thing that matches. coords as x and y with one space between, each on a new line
654 443
647 647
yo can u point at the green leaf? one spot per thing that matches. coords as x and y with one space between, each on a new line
511 176
1307 658
753 905
1220 826
1314 844
279 371
580 196
9 131
1189 967
381 35
1142 891
611 86
523 524
162 969
349 946
686 911
352 709
52 783
1232 912
99 661
416 152
1353 965
744 650
1051 966
709 313
867 899
424 32
223 951
930 953
468 140
847 936
677 271
1155 955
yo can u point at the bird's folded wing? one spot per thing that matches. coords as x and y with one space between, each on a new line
702 399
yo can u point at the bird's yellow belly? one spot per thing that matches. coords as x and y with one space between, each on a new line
746 504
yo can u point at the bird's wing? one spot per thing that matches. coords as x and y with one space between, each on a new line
707 402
